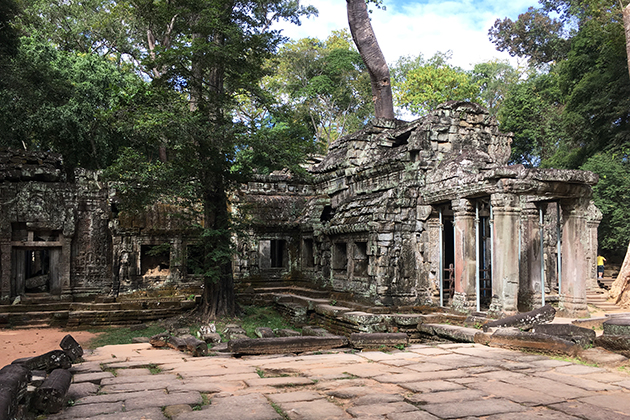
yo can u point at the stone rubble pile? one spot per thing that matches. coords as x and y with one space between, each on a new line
38 384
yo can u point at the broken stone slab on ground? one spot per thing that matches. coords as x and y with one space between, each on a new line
50 361
189 343
378 340
617 343
315 331
285 332
71 347
231 330
617 326
584 337
50 397
525 320
264 332
160 340
280 345
450 332
13 383
513 338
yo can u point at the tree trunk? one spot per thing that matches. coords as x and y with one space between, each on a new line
620 289
626 27
365 40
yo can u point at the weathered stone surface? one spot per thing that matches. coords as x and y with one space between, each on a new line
617 343
244 407
313 410
71 347
516 339
232 330
362 318
56 359
211 338
94 377
381 409
264 332
525 320
279 382
176 410
189 343
480 408
376 340
590 322
13 382
285 344
141 339
602 357
452 332
285 332
160 340
50 397
190 397
617 326
81 390
584 337
311 331
92 411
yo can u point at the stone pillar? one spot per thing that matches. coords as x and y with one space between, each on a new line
64 266
5 272
575 266
505 268
593 218
432 255
530 289
464 222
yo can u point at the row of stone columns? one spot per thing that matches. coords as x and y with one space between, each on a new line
517 257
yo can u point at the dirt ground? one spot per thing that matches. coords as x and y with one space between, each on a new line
17 343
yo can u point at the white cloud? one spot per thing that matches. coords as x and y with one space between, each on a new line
426 27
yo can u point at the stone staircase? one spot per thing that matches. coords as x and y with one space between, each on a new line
599 297
38 313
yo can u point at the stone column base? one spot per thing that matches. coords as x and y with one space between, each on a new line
459 302
572 307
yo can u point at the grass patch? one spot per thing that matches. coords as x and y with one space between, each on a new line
121 335
572 360
252 317
279 411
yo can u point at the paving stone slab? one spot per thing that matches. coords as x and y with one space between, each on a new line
350 392
146 414
279 345
574 369
515 393
108 398
191 398
432 386
487 407
241 407
377 398
427 351
618 401
281 381
537 413
446 397
135 372
94 377
554 388
81 390
138 379
199 385
412 415
400 378
381 409
602 357
139 386
86 367
313 410
589 411
85 411
579 382
294 397
175 410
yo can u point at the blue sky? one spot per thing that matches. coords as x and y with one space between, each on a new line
409 27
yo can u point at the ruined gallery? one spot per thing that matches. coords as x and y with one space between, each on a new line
398 214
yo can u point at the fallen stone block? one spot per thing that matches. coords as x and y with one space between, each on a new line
525 320
285 332
56 359
376 340
603 357
584 337
141 340
189 343
50 397
81 390
232 330
71 347
315 331
617 343
210 338
13 382
362 318
160 340
264 332
285 344
515 339
453 332
617 326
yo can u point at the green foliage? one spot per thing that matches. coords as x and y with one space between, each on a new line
256 316
117 335
494 78
612 197
420 86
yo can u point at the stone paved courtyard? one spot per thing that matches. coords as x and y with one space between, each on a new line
424 382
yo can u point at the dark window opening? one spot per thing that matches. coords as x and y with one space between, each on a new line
277 253
155 260
361 259
194 260
402 139
340 257
308 258
327 214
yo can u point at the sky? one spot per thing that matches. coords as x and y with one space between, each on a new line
413 27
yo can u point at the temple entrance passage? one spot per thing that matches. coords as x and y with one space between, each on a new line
448 261
35 271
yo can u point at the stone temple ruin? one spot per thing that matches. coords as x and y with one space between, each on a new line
396 215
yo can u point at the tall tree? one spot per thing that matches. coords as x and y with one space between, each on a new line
365 40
